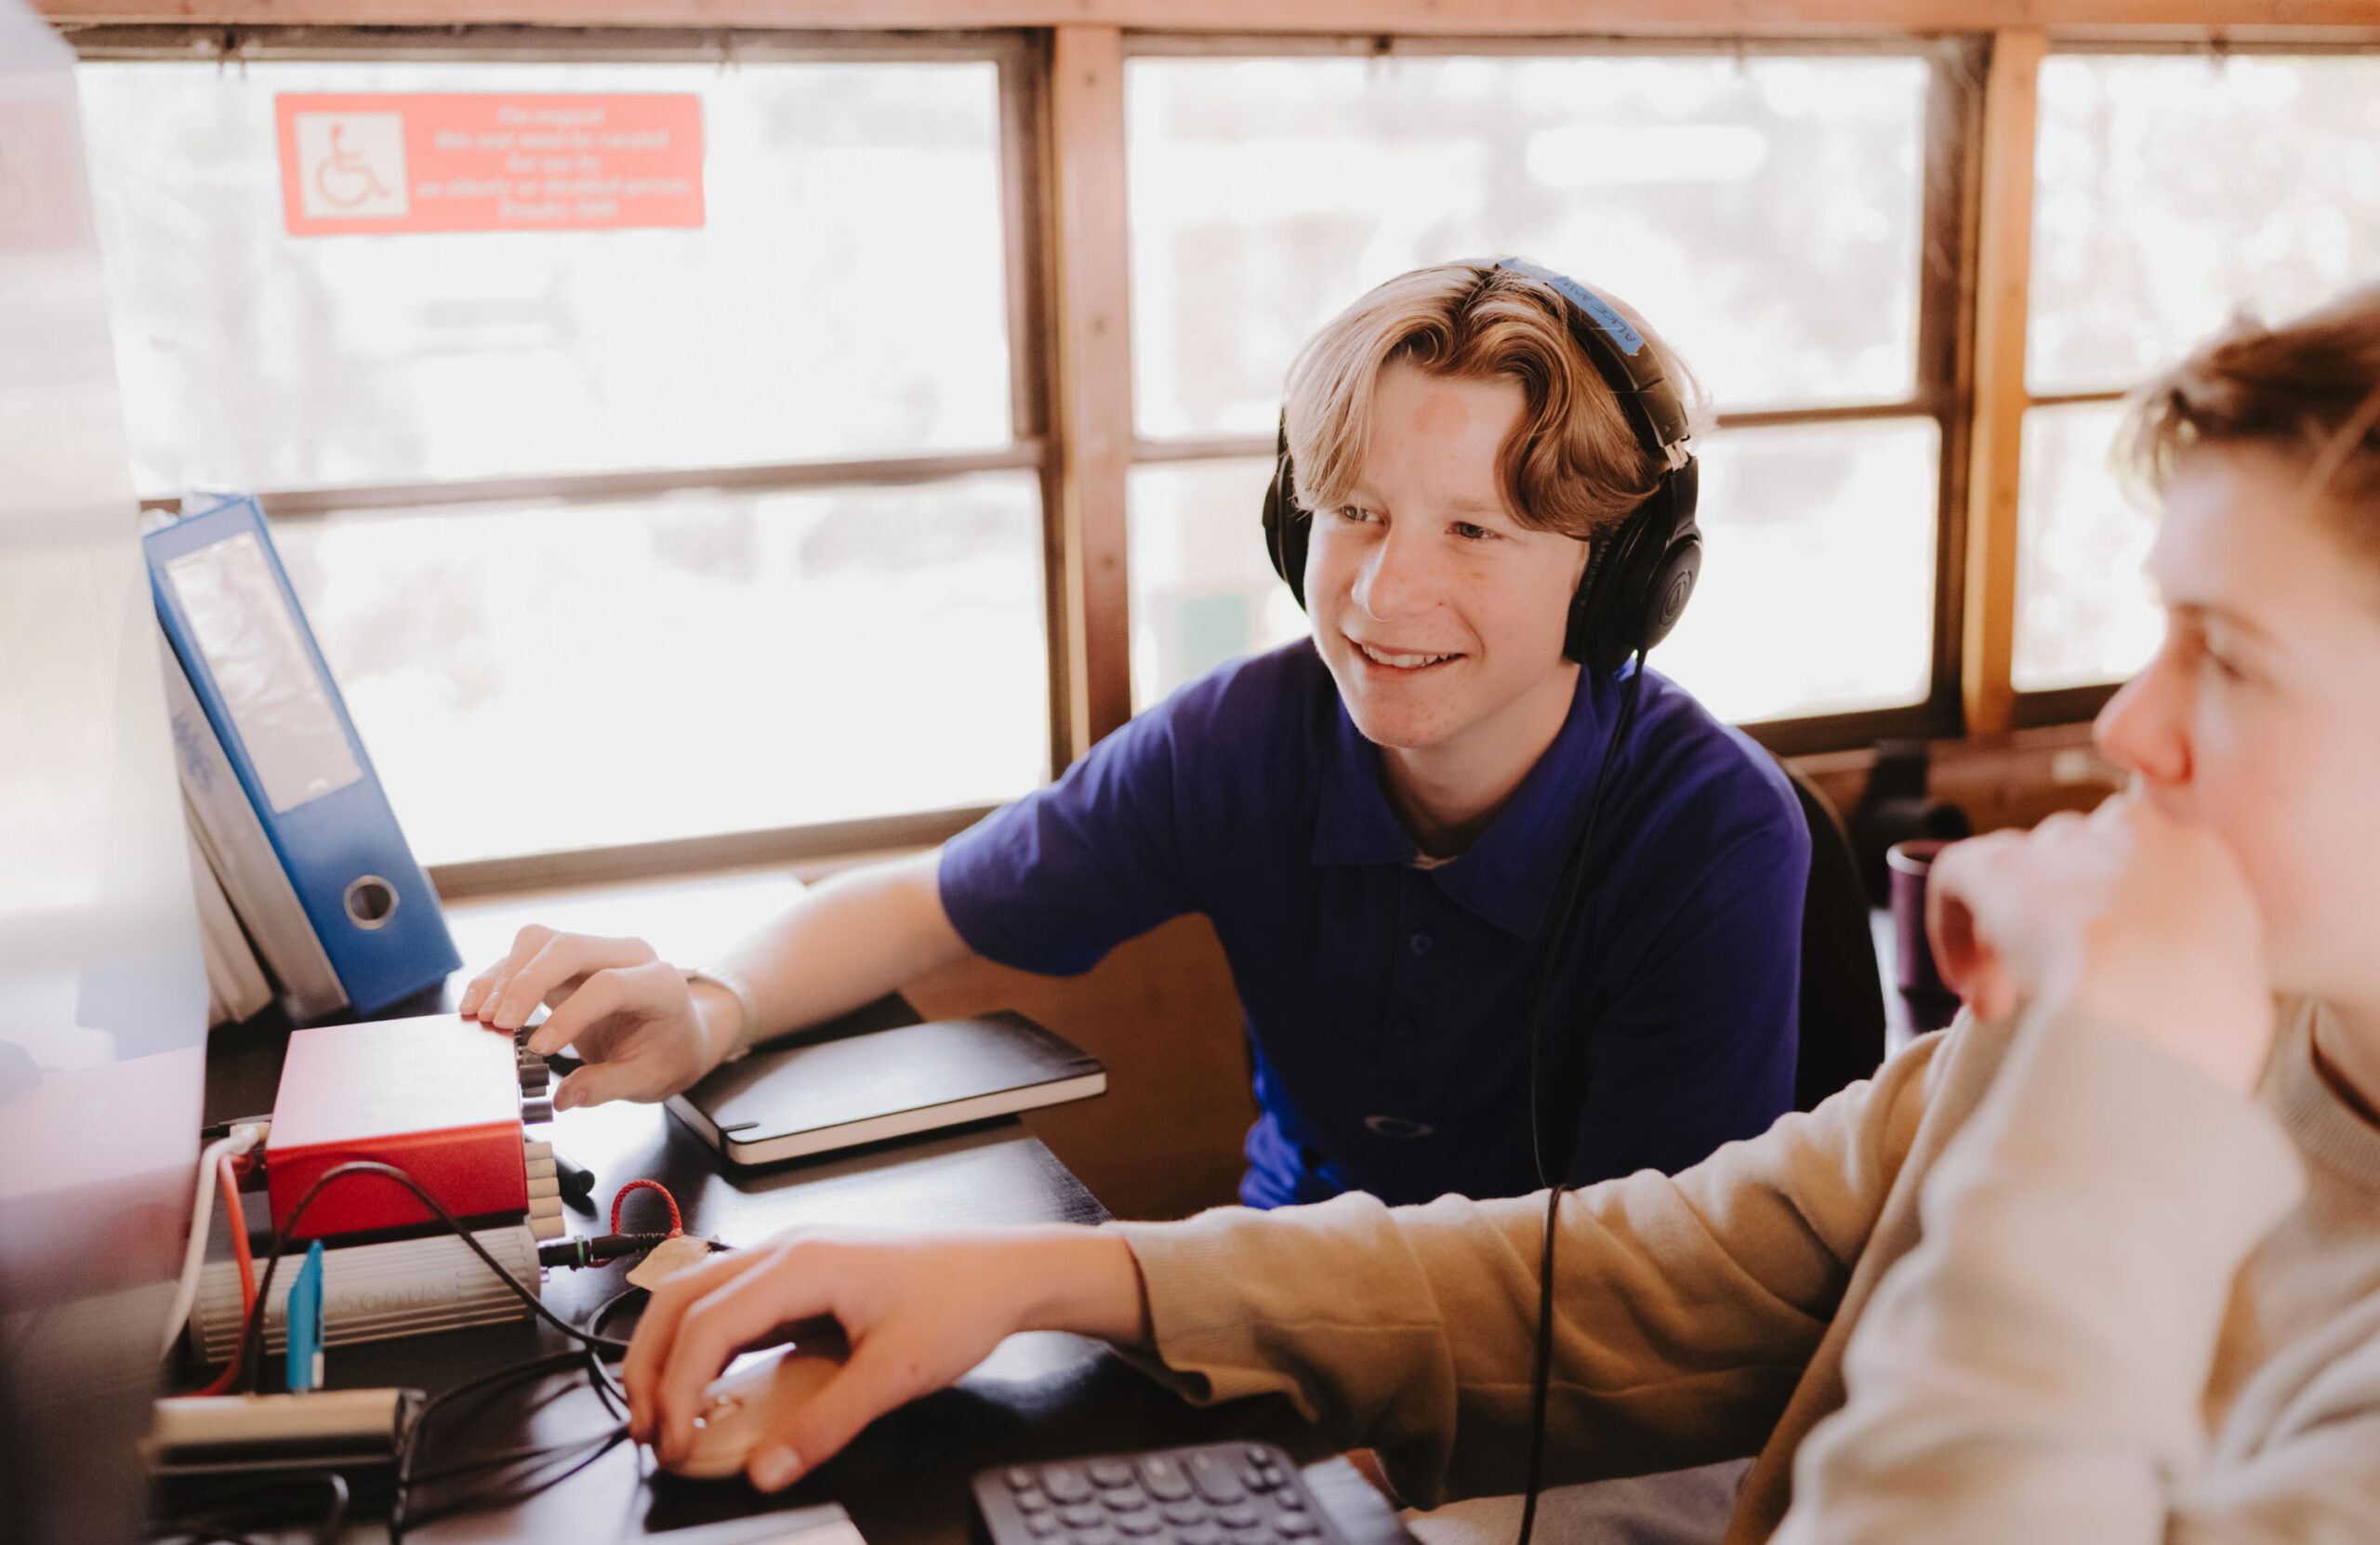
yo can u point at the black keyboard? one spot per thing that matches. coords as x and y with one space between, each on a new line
1210 1494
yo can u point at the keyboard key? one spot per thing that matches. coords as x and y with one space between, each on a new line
1213 1477
1065 1483
1164 1478
1213 1494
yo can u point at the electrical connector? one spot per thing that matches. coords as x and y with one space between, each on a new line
595 1250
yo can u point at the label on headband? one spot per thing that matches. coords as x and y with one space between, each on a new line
1629 338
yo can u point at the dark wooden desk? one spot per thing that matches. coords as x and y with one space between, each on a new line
904 1480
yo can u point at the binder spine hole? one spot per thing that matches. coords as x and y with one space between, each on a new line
370 899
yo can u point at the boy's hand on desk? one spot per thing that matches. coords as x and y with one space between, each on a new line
919 1312
635 1022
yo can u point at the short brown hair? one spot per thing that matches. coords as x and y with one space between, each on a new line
2308 389
1574 463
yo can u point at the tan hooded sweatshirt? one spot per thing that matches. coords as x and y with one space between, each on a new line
2076 1291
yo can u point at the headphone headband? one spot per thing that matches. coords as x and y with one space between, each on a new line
1627 365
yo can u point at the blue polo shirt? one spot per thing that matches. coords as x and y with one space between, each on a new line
1388 1004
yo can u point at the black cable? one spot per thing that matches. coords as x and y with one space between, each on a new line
608 1388
604 1311
498 1459
334 1516
418 1434
1572 885
588 1354
592 1345
599 1444
251 1334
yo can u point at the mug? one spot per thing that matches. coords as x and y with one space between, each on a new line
1931 1004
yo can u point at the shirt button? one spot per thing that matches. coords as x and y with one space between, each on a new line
1419 944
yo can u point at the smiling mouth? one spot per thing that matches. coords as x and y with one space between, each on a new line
1401 662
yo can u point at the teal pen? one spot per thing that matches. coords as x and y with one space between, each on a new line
305 1358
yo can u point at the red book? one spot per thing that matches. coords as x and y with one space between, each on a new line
438 1097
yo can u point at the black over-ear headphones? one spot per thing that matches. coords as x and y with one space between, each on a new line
1640 576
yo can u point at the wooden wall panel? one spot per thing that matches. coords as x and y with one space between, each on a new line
1161 1012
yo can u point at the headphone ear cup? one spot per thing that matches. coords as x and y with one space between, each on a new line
1286 526
1603 630
1639 578
1672 588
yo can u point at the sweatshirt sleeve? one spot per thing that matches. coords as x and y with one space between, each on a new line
2034 1370
1686 1307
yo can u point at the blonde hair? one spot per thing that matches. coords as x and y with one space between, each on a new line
2308 389
1572 464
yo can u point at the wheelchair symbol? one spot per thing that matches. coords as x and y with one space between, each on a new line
344 178
350 165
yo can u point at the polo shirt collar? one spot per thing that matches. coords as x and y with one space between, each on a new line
1507 877
1355 826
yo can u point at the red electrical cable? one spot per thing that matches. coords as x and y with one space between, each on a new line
676 1228
229 1185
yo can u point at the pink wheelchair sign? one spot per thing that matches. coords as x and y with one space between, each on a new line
386 162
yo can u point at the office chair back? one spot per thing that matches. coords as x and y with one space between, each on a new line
1843 991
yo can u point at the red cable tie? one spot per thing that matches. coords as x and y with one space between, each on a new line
676 1228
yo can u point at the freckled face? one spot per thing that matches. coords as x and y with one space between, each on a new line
1440 614
2260 715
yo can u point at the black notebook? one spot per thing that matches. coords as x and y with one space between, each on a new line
816 1096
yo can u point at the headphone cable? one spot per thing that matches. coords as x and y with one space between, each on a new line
1572 885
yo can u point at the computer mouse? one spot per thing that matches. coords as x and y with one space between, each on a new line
741 1406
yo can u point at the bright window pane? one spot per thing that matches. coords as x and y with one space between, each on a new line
1817 590
844 295
2172 191
1762 213
1818 577
532 677
2084 609
1203 589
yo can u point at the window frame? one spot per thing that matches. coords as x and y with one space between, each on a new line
1065 201
2033 709
1943 374
1020 69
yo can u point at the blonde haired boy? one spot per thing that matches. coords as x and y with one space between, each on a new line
1376 819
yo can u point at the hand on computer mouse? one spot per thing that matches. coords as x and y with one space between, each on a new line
740 1408
917 1312
641 1031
